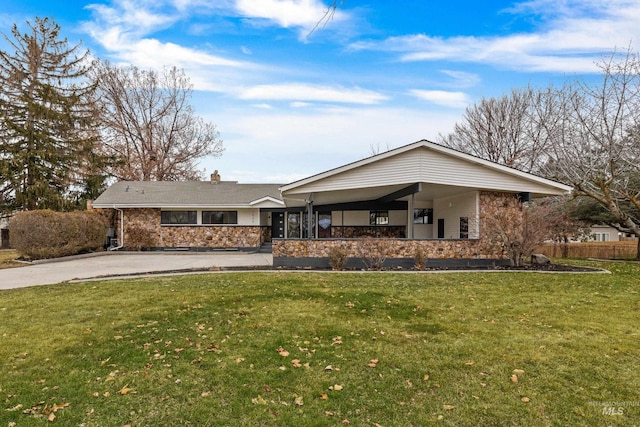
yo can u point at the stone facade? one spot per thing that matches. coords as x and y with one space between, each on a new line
142 229
479 249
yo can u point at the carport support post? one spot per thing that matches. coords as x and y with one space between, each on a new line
310 234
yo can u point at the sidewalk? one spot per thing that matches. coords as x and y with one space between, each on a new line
105 264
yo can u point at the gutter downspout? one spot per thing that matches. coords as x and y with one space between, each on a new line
121 230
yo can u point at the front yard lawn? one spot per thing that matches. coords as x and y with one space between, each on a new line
323 349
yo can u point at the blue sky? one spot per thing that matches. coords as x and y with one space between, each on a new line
379 75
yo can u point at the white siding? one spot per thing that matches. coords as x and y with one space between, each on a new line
426 165
452 209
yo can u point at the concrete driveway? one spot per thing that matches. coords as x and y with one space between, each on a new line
105 264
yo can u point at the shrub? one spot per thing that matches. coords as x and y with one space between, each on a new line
374 252
420 259
338 256
48 234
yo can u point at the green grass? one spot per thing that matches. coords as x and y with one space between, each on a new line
203 350
7 258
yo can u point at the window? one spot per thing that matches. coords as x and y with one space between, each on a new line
601 237
423 216
379 217
219 217
464 227
293 225
178 217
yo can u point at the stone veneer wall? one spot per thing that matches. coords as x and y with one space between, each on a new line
480 248
142 229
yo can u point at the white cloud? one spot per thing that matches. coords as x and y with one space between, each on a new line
298 143
442 97
308 92
573 35
286 13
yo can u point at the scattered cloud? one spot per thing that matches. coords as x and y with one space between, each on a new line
286 13
309 92
442 97
572 39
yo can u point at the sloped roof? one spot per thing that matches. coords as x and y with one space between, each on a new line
428 162
195 194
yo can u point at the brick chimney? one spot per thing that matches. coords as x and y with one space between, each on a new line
215 177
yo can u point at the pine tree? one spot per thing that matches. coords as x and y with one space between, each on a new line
46 118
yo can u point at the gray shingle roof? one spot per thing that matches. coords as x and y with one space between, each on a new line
187 194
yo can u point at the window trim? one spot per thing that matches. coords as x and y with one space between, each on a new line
231 215
188 213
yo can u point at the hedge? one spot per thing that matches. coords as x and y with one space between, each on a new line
48 234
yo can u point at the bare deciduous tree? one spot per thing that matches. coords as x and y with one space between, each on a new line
596 151
514 130
517 228
149 127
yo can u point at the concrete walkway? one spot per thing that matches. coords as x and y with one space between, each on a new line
105 264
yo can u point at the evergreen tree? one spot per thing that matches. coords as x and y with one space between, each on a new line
46 118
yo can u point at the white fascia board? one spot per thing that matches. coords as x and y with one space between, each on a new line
169 206
267 200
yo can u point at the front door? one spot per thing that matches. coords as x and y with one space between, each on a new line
277 225
440 228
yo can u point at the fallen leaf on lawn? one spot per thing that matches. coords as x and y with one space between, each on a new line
514 378
125 390
117 337
205 393
470 363
324 396
328 413
283 368
258 400
518 371
106 394
345 421
15 408
336 341
298 401
350 304
336 387
282 352
51 417
296 363
525 399
373 363
448 407
426 377
240 360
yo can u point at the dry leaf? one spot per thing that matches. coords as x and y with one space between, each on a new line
258 400
282 352
525 399
426 377
324 396
470 363
240 360
328 413
345 421
125 390
328 368
51 417
296 363
350 304
205 393
514 378
298 401
518 371
336 387
448 407
373 363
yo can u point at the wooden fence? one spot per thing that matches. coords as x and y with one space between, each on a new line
601 250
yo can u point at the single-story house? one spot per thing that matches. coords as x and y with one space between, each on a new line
422 195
